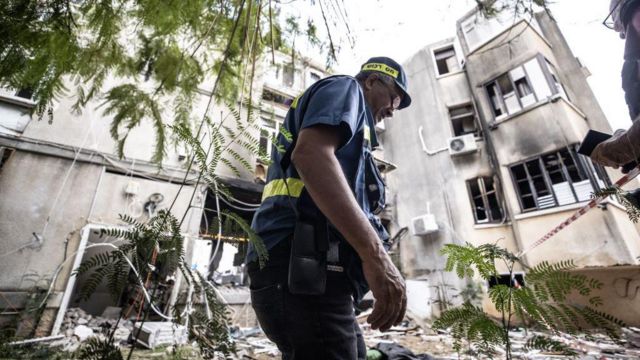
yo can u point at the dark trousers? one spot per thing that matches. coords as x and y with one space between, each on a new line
305 327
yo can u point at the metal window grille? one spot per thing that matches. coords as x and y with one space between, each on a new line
555 179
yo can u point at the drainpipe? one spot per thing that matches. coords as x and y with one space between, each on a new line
495 165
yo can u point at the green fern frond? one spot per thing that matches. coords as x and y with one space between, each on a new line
600 320
240 159
100 349
256 241
549 345
464 259
231 166
286 134
97 260
560 319
90 285
626 200
471 323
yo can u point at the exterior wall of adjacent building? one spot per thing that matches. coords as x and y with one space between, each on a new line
60 177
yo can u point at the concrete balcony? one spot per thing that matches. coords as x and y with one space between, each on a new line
547 126
15 113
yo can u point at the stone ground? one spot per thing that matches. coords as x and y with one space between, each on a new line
252 344
440 345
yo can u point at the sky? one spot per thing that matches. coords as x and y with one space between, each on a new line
400 28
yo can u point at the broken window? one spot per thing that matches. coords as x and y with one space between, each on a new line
555 179
556 85
25 93
523 86
446 60
232 248
275 97
505 279
463 120
484 200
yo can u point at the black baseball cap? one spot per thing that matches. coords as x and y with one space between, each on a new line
390 67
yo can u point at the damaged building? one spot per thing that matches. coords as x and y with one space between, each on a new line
61 182
487 153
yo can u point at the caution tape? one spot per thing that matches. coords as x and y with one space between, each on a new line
583 210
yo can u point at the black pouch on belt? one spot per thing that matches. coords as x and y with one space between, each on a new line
308 261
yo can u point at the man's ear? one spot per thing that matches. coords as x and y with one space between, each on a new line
371 79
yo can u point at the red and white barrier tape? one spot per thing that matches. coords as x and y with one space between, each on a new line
623 180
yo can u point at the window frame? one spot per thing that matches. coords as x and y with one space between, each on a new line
549 70
274 95
501 96
273 132
480 181
583 166
478 132
435 61
551 73
285 68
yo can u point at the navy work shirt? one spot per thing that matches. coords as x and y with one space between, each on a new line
336 101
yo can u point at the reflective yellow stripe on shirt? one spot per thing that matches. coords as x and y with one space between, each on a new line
294 104
279 187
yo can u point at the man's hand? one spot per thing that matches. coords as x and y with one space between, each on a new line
620 149
388 288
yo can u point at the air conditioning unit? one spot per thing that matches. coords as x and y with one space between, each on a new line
461 145
424 224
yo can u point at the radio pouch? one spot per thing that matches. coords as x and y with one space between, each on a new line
308 261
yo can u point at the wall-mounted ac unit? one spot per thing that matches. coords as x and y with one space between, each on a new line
424 224
461 145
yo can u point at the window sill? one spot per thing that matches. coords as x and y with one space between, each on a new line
449 74
15 100
490 226
553 98
550 211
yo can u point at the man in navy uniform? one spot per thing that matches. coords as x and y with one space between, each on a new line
624 146
323 192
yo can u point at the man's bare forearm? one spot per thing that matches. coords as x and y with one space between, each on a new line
322 175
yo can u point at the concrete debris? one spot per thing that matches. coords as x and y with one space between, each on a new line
78 326
158 333
423 341
82 332
251 343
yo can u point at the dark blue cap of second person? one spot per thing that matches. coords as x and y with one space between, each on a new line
390 67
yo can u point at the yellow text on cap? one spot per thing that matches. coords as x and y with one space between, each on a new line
383 68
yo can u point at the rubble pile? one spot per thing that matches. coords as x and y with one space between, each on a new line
425 343
419 342
78 326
